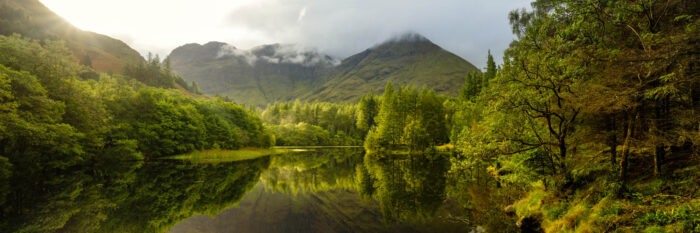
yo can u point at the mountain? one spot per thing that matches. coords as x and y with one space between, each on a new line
284 72
258 76
409 59
30 18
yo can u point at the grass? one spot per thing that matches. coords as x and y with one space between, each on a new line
314 147
667 203
218 156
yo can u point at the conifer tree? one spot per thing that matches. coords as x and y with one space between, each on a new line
491 70
389 122
366 112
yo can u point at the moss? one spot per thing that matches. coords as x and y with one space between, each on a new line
654 229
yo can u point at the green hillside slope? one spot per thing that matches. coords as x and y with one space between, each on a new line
258 76
410 59
282 72
32 19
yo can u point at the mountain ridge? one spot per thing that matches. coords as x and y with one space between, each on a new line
260 75
407 59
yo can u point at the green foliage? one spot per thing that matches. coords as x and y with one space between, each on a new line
687 215
168 123
477 81
54 122
409 118
472 86
303 134
156 74
587 89
584 82
491 70
195 88
367 110
318 123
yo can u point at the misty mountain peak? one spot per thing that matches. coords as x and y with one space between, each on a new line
409 37
292 54
217 44
289 54
406 44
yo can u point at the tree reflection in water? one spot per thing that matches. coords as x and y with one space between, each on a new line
328 190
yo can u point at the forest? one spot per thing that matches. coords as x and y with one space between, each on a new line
59 115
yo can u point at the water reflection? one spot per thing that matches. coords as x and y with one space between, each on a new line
125 196
329 190
342 191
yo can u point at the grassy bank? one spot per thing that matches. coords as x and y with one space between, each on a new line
217 156
594 203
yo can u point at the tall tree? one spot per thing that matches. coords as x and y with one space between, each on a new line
195 88
389 119
617 61
490 69
368 108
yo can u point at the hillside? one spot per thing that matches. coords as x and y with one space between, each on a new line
258 76
284 72
410 59
32 19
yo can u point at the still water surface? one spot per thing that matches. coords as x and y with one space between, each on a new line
341 191
319 190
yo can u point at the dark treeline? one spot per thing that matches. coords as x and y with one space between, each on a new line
155 73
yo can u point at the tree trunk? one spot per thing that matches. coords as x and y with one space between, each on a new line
625 150
562 155
658 159
613 154
612 139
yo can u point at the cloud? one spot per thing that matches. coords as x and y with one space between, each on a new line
278 53
228 50
302 13
296 54
467 28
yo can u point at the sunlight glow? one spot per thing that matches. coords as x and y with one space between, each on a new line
159 23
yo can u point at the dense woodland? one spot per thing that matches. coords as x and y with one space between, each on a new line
57 117
312 124
593 118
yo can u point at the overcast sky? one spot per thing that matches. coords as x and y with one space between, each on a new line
468 28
